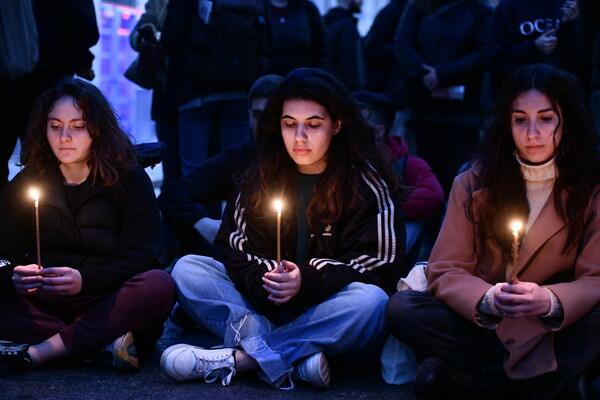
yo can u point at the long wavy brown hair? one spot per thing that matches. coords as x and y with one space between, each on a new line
112 153
576 157
352 152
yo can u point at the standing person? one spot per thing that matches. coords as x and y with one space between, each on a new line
163 110
534 31
488 327
382 72
212 112
298 37
441 49
99 239
344 42
342 238
67 29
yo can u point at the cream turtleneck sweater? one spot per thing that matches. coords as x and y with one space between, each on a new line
539 180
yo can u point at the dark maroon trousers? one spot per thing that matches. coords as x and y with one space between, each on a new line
86 323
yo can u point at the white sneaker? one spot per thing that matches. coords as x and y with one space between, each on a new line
314 370
185 362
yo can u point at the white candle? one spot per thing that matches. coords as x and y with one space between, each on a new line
34 193
278 207
516 226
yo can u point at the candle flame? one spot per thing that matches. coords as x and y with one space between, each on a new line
516 226
278 205
35 194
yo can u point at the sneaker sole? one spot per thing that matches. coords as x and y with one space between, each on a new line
125 355
322 379
324 373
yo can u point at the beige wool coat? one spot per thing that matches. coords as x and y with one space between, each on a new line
459 276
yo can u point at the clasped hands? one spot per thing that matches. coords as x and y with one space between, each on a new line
547 42
283 282
56 280
522 299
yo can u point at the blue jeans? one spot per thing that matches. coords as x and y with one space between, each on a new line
207 130
350 320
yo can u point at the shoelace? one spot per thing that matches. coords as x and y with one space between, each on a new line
238 335
215 370
9 351
225 374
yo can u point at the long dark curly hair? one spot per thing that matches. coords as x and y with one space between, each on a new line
112 153
352 152
576 156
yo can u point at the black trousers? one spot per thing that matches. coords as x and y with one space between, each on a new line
432 329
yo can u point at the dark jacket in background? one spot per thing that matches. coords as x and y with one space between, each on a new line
382 73
66 31
182 202
452 39
109 234
344 42
175 37
297 38
515 26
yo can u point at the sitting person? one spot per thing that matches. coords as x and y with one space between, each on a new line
99 240
427 195
184 202
515 311
282 302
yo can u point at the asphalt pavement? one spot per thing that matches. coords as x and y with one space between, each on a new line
69 381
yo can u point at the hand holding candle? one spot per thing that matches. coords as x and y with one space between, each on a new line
278 207
34 193
516 227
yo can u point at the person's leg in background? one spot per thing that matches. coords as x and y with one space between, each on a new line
234 128
167 132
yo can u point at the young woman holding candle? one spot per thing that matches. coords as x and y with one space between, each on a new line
342 240
99 239
478 332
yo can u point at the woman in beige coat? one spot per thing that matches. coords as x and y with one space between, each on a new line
487 327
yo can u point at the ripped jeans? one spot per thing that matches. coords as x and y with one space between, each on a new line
347 321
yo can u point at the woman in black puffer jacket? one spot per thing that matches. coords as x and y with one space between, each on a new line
95 284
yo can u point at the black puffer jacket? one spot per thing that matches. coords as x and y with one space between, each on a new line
109 234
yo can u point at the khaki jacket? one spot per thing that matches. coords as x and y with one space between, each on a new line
459 275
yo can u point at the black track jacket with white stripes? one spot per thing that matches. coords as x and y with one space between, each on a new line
365 245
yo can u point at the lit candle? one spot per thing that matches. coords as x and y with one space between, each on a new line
34 193
278 207
516 227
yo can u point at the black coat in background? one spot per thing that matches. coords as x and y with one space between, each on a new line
382 72
298 38
344 42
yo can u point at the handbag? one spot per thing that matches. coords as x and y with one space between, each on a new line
148 69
